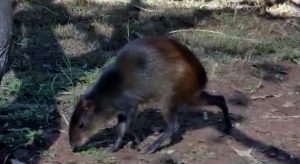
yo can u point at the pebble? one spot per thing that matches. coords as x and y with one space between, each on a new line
170 151
205 116
280 157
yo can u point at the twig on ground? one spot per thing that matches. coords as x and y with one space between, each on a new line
47 9
256 87
218 33
64 118
146 10
100 142
13 150
281 117
137 34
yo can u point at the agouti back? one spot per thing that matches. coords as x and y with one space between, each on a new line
156 69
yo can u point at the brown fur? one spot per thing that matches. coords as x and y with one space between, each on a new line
149 69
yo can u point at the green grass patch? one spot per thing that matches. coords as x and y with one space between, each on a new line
99 154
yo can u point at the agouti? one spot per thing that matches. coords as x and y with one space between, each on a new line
156 69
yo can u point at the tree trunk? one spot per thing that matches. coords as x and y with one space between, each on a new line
5 33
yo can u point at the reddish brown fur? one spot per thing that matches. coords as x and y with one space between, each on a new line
178 65
149 69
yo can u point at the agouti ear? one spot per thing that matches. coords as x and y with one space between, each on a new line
88 104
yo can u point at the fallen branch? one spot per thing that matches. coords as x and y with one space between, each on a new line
64 118
47 9
256 87
281 117
13 150
138 35
146 10
218 33
255 97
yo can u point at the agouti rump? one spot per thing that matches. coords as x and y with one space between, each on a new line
156 69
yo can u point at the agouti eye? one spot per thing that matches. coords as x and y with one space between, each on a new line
81 125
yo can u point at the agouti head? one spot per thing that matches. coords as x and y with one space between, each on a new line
93 109
86 120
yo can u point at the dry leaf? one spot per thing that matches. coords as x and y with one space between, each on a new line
243 153
246 154
260 97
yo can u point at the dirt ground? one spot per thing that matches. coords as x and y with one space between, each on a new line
266 126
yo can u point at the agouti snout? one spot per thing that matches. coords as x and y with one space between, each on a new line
155 69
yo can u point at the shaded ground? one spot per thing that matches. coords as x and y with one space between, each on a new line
59 50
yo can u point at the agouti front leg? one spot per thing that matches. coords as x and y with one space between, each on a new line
124 122
170 117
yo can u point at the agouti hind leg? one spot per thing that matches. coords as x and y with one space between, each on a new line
205 98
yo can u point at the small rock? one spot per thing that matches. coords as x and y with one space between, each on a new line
205 116
15 161
170 151
237 125
71 162
280 157
156 130
129 144
278 95
290 93
238 98
52 155
211 155
297 89
272 154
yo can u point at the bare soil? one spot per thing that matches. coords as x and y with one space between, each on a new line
265 131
